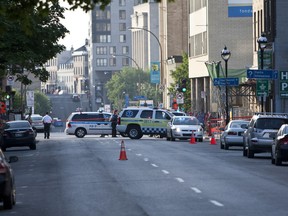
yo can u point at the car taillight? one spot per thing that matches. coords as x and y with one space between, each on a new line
3 168
69 125
283 141
119 121
232 133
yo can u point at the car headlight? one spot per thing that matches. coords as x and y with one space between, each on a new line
200 129
177 129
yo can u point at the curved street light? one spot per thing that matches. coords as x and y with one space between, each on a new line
225 54
114 56
160 46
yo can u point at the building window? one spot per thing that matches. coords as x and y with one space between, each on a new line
122 2
101 62
103 14
103 27
122 38
101 50
112 50
112 61
125 61
125 50
122 14
122 26
103 38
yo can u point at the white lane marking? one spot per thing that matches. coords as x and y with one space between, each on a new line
196 190
179 180
146 159
139 155
165 171
24 186
216 203
154 165
129 149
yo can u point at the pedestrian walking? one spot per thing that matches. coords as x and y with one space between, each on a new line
113 121
47 120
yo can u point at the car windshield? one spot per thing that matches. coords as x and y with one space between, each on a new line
238 124
186 121
17 125
36 118
270 123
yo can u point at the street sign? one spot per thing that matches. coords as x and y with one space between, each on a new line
140 97
180 98
262 88
262 74
10 80
224 81
283 84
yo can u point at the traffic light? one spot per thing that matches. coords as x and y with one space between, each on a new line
183 86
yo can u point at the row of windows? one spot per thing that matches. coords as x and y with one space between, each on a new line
103 50
198 44
106 15
103 62
196 5
107 38
107 27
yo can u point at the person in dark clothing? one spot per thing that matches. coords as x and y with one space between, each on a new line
113 121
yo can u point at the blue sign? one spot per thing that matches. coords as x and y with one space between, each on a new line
224 81
140 97
155 72
240 11
262 74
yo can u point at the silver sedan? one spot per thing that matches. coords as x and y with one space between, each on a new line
182 127
233 134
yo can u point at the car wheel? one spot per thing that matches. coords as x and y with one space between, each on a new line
168 138
272 158
8 201
221 145
80 132
278 161
172 138
134 132
250 153
226 147
33 146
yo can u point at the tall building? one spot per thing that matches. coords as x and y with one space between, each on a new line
108 36
212 26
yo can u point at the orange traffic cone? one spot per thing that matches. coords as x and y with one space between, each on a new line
123 152
213 140
192 139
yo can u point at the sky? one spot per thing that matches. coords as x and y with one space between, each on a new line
77 23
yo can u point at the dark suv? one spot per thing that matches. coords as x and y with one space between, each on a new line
261 129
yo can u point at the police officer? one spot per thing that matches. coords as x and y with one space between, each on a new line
113 121
47 120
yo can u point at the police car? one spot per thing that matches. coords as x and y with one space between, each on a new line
139 121
88 123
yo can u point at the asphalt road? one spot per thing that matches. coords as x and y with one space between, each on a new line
71 176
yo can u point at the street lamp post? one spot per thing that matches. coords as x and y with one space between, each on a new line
262 42
114 56
160 46
225 54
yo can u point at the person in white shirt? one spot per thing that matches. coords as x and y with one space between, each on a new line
47 120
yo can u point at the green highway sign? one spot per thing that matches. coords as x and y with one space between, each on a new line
262 88
283 87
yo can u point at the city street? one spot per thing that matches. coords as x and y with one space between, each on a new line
66 175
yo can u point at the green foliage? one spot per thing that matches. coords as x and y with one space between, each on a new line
27 44
182 72
42 104
132 82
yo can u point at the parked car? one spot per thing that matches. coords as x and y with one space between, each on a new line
7 181
57 122
18 133
36 122
261 128
75 98
279 152
233 134
182 127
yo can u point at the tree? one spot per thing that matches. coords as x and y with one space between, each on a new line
28 50
182 73
42 104
131 82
